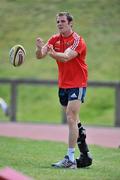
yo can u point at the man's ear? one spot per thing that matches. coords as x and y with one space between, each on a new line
71 24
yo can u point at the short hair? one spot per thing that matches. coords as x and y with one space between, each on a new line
68 15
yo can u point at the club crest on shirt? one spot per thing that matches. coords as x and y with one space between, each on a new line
68 44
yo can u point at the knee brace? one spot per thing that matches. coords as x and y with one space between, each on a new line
82 145
82 134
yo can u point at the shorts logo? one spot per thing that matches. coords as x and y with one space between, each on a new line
73 95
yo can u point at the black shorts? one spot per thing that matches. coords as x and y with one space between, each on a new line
71 94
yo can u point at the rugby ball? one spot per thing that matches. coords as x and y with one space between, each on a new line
17 55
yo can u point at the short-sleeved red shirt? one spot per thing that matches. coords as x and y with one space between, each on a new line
72 73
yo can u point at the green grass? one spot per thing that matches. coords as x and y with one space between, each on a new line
97 22
34 158
34 104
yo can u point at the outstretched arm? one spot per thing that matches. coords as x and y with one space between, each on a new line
63 57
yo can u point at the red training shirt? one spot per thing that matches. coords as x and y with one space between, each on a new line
73 73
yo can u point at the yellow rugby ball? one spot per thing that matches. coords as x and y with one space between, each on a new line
17 55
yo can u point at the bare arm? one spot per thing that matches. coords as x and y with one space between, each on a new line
41 49
63 57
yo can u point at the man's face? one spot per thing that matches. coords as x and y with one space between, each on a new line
63 25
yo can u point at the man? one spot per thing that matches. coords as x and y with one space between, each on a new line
69 51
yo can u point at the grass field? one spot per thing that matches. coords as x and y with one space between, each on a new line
34 158
21 22
97 22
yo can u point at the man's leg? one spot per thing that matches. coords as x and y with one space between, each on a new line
85 158
72 111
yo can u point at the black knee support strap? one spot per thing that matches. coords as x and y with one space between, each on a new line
82 145
82 134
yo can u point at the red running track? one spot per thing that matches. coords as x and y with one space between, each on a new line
102 136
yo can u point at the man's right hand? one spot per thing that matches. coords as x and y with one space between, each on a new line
41 49
39 43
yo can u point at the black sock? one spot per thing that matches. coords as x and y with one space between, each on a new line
82 145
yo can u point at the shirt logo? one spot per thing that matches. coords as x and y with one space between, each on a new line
68 44
73 95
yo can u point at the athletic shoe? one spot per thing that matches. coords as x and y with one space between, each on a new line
65 163
84 160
